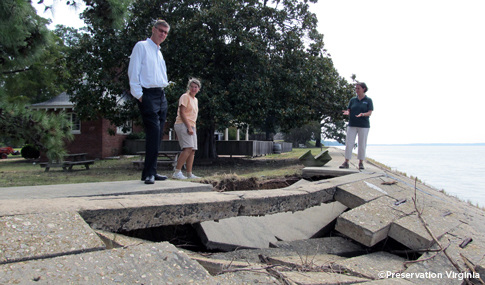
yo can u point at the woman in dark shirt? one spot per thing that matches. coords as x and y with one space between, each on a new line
359 110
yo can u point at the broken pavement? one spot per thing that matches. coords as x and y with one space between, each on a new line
70 233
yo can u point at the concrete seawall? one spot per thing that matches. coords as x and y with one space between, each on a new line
69 233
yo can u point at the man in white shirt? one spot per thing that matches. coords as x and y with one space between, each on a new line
148 78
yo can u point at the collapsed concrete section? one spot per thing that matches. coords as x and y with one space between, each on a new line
261 232
329 245
320 160
45 236
370 223
370 265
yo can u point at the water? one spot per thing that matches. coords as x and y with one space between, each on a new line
457 169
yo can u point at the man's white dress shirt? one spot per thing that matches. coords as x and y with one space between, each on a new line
147 68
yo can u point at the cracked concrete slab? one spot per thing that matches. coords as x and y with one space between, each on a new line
371 265
411 232
252 255
426 195
322 278
217 266
116 188
389 281
370 223
308 160
326 170
314 262
148 264
256 276
439 268
472 249
432 271
259 232
43 235
327 245
124 213
113 240
347 194
266 202
330 169
300 184
355 194
141 209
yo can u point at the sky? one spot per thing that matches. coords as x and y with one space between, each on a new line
423 62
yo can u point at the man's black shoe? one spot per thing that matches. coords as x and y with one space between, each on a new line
157 177
160 177
150 179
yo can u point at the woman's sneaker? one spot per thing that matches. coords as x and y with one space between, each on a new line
178 175
192 176
344 165
361 166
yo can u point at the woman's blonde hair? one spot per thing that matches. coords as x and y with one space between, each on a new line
195 81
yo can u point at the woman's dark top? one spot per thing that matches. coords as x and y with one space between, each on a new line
356 107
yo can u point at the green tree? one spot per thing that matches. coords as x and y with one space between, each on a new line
257 61
44 78
334 95
26 48
45 132
98 64
303 134
22 36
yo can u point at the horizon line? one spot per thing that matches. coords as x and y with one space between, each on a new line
404 144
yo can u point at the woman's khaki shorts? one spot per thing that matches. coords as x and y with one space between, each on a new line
185 140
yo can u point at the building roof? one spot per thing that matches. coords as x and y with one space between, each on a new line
61 101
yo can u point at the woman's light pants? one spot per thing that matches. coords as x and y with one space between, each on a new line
361 144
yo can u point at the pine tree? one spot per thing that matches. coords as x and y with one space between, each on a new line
23 34
47 132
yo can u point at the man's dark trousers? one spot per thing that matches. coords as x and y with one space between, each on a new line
153 110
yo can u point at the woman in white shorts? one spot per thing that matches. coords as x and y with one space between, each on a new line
185 128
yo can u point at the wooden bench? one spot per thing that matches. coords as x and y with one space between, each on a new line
71 160
165 158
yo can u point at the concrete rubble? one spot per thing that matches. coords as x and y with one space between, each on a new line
368 227
230 234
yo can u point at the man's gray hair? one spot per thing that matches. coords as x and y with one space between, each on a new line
161 23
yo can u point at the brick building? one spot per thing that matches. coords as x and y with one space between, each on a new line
91 137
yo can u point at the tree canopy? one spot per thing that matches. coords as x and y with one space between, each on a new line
45 132
303 134
31 70
44 78
22 36
261 63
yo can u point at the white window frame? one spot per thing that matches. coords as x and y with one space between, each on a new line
75 123
119 130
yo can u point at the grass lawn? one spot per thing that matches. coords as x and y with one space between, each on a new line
16 171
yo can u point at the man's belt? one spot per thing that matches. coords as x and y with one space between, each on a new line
153 88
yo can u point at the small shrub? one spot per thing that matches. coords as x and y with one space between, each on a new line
136 136
29 152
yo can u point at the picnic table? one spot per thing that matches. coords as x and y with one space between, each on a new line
165 157
69 161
